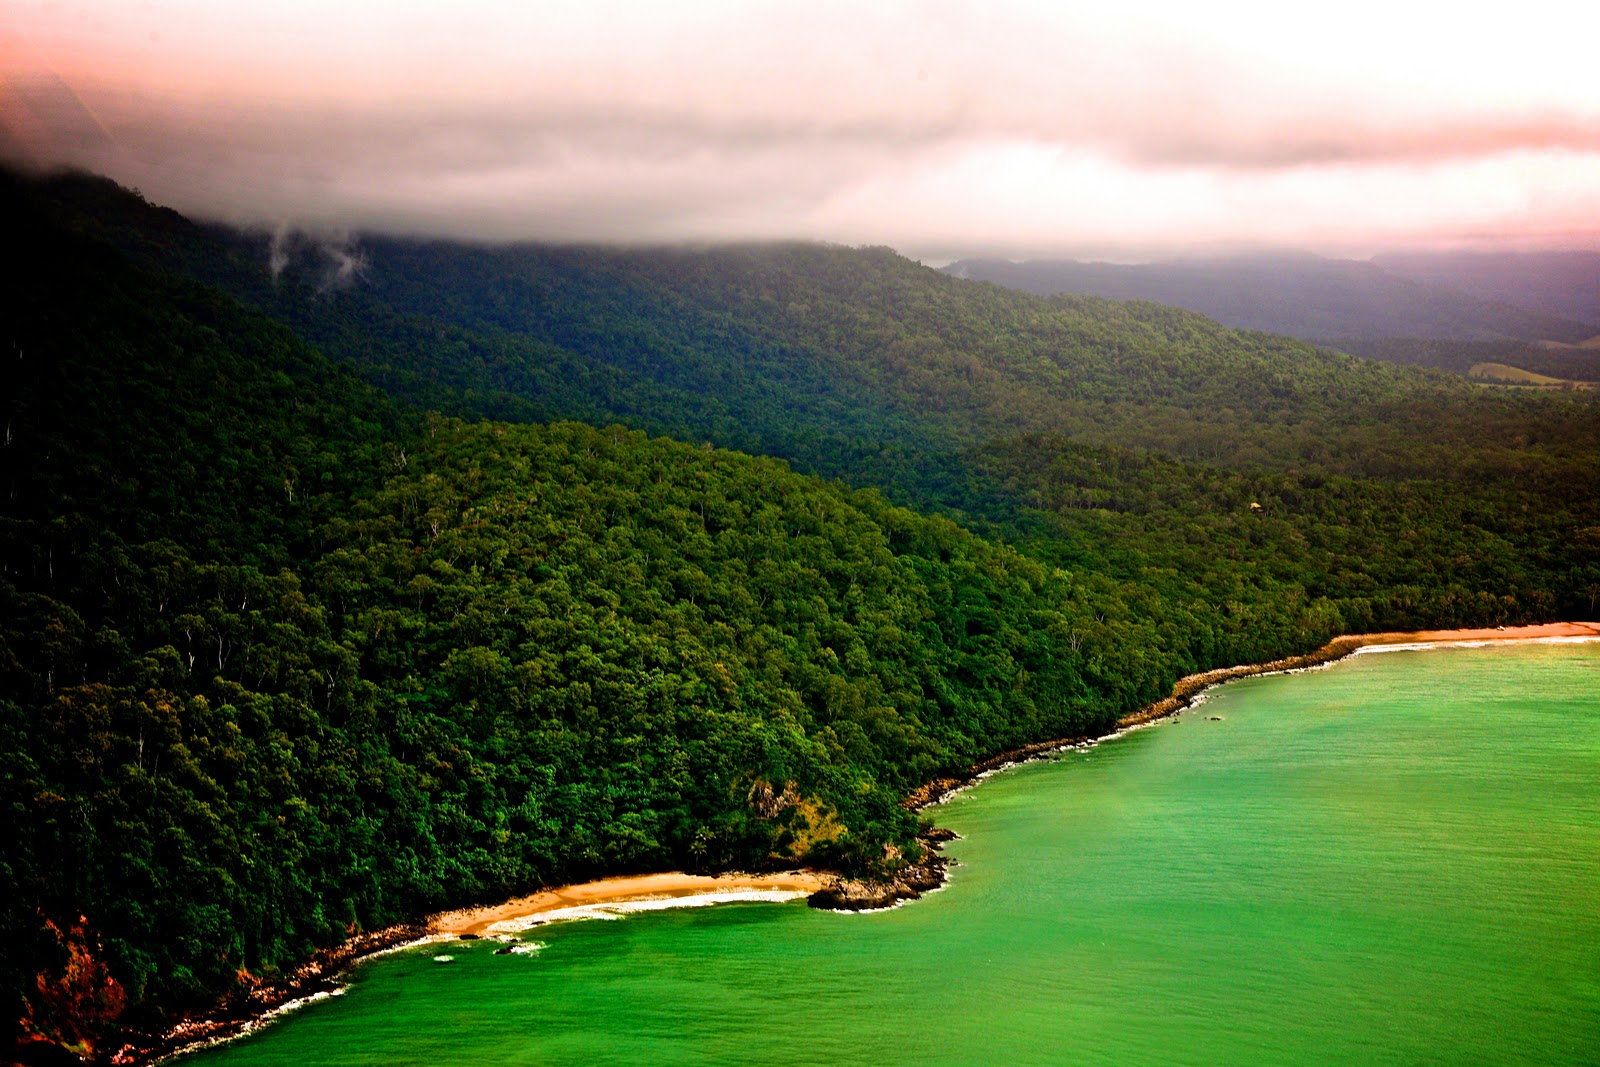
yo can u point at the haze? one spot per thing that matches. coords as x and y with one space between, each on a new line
942 129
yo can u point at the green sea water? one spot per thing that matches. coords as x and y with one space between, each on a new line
1394 860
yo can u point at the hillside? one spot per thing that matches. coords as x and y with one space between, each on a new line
286 655
853 363
1500 372
283 661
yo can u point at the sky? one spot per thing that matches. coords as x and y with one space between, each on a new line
942 129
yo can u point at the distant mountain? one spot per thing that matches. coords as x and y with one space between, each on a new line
1554 283
1300 295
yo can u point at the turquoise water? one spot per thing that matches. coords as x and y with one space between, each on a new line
1395 860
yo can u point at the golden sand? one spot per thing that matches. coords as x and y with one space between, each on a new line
626 889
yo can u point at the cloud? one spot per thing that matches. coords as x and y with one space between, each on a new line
278 252
922 125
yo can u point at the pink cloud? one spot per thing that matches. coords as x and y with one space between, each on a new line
1037 128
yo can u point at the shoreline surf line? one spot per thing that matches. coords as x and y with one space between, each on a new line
323 977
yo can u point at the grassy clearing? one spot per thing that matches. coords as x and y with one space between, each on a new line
1503 372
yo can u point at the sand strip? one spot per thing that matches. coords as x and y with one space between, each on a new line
603 897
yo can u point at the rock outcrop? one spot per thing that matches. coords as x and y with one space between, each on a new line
906 883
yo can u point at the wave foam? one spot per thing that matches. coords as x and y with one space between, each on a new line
617 909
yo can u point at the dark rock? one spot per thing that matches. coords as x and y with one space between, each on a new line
858 894
923 878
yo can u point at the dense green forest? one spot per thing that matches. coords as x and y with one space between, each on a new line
411 574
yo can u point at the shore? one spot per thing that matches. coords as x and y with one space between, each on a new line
321 977
671 888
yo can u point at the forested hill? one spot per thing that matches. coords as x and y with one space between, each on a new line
285 655
1403 310
281 661
853 363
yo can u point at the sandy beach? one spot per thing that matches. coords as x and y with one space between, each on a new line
1545 631
672 888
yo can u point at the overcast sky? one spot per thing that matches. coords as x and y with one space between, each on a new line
942 129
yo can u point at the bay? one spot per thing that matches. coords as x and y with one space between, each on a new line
1393 860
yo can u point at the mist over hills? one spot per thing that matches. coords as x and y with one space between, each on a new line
345 581
1554 283
1321 299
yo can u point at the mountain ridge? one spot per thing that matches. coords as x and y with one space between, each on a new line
1302 295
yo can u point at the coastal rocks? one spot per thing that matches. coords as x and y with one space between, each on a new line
767 801
80 1005
933 791
855 894
908 883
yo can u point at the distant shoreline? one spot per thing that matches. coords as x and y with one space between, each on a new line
1190 686
321 977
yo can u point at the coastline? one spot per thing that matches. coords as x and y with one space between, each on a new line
258 1004
873 895
321 977
1187 688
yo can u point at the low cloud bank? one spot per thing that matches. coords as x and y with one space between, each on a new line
936 128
